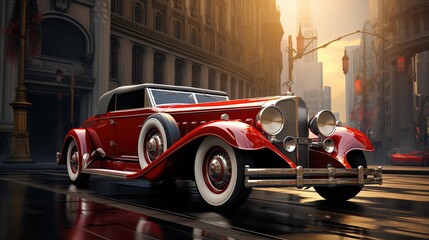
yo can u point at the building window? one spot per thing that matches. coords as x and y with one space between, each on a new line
196 71
221 49
159 22
223 82
158 67
194 36
179 72
62 39
138 13
210 43
116 6
114 61
212 79
178 30
137 65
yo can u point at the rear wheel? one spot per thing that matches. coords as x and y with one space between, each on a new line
344 193
74 165
158 133
219 174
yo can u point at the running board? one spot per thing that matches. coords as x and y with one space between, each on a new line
108 172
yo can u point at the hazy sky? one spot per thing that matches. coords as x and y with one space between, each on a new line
332 19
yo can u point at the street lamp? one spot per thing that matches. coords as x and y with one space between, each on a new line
345 61
20 144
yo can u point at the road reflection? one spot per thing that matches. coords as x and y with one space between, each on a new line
85 219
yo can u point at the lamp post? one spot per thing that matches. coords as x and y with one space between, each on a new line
20 144
301 51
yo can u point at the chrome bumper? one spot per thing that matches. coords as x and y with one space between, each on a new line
309 177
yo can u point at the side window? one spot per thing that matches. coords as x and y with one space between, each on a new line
130 100
112 104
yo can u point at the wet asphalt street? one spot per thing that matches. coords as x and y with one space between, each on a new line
42 204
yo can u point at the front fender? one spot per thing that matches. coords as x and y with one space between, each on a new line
346 139
83 141
237 134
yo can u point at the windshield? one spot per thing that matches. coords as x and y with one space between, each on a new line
163 97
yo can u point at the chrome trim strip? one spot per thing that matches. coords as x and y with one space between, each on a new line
328 176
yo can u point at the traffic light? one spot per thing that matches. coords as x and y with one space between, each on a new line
358 86
400 63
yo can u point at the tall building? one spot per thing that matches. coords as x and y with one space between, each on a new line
308 72
90 47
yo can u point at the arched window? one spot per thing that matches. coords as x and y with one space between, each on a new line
209 43
62 39
137 65
178 32
114 61
138 13
159 22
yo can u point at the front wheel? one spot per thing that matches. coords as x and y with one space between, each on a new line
74 164
344 193
219 174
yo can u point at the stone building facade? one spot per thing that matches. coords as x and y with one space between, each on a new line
400 120
89 47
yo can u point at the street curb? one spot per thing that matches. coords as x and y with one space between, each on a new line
411 170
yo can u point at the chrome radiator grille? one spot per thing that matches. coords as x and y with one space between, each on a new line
296 125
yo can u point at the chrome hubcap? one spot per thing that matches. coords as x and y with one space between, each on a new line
74 160
154 145
219 170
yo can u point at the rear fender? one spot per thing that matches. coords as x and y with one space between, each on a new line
346 140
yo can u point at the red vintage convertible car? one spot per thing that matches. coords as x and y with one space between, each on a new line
160 132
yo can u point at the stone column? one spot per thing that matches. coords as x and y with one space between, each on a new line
102 50
148 65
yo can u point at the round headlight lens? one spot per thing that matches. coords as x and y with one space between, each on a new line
323 123
271 120
328 145
289 144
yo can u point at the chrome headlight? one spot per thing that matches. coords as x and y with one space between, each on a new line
323 123
289 144
270 119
